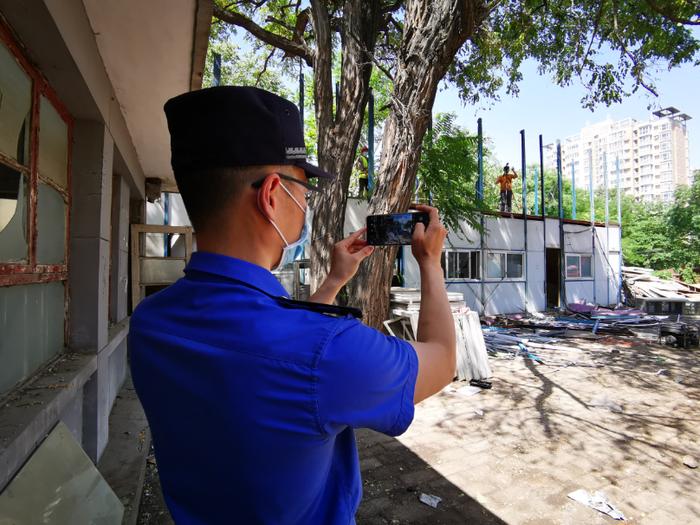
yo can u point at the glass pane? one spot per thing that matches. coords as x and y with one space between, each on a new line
31 324
53 144
51 224
475 265
515 265
453 265
572 269
15 106
494 265
586 266
13 215
161 271
442 265
464 265
59 484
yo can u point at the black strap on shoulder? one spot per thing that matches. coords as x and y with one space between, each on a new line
330 309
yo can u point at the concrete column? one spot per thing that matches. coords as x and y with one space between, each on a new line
93 151
88 276
120 249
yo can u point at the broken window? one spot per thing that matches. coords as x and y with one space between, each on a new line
34 200
461 264
13 215
15 106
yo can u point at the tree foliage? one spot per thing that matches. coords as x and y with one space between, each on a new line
448 171
612 47
666 235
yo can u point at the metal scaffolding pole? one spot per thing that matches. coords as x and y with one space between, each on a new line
562 260
573 191
523 167
480 195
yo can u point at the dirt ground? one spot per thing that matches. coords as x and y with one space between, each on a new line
616 415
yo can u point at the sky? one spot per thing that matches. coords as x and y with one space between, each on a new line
544 108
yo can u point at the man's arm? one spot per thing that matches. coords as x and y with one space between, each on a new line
436 344
347 256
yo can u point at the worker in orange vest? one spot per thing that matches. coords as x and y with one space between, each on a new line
506 183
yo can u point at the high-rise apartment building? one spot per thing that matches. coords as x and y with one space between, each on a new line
652 155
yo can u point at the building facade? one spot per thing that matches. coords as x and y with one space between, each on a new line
521 264
82 87
652 155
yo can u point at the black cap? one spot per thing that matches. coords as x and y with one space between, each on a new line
231 126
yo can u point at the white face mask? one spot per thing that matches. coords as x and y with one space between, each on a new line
292 252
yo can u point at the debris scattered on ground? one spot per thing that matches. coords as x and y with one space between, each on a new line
430 500
467 391
597 501
690 462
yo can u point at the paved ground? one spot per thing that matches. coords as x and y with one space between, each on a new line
513 453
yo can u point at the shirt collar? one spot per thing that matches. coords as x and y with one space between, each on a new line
236 269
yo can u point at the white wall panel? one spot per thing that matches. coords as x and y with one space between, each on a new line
577 238
505 234
552 233
579 291
505 297
535 236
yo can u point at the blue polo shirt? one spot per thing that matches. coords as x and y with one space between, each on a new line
252 405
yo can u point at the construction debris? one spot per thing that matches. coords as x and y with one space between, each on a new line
430 500
472 357
656 295
597 501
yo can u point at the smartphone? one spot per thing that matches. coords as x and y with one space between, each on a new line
395 228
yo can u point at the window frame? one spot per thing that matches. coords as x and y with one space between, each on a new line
30 271
504 268
470 252
579 277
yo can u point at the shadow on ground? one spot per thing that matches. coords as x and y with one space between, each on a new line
394 478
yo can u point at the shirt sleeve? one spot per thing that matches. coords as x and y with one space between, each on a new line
366 380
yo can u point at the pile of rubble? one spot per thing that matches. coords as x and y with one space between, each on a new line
644 288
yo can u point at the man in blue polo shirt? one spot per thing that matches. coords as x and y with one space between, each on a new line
251 397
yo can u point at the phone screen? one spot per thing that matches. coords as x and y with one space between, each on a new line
396 228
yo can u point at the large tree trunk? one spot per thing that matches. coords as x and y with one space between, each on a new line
433 33
339 134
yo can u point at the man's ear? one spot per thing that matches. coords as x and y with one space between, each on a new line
267 196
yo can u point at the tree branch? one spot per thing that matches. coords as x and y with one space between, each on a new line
637 68
665 12
264 69
593 35
273 39
279 23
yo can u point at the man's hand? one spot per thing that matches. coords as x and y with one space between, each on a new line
347 256
427 244
346 259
